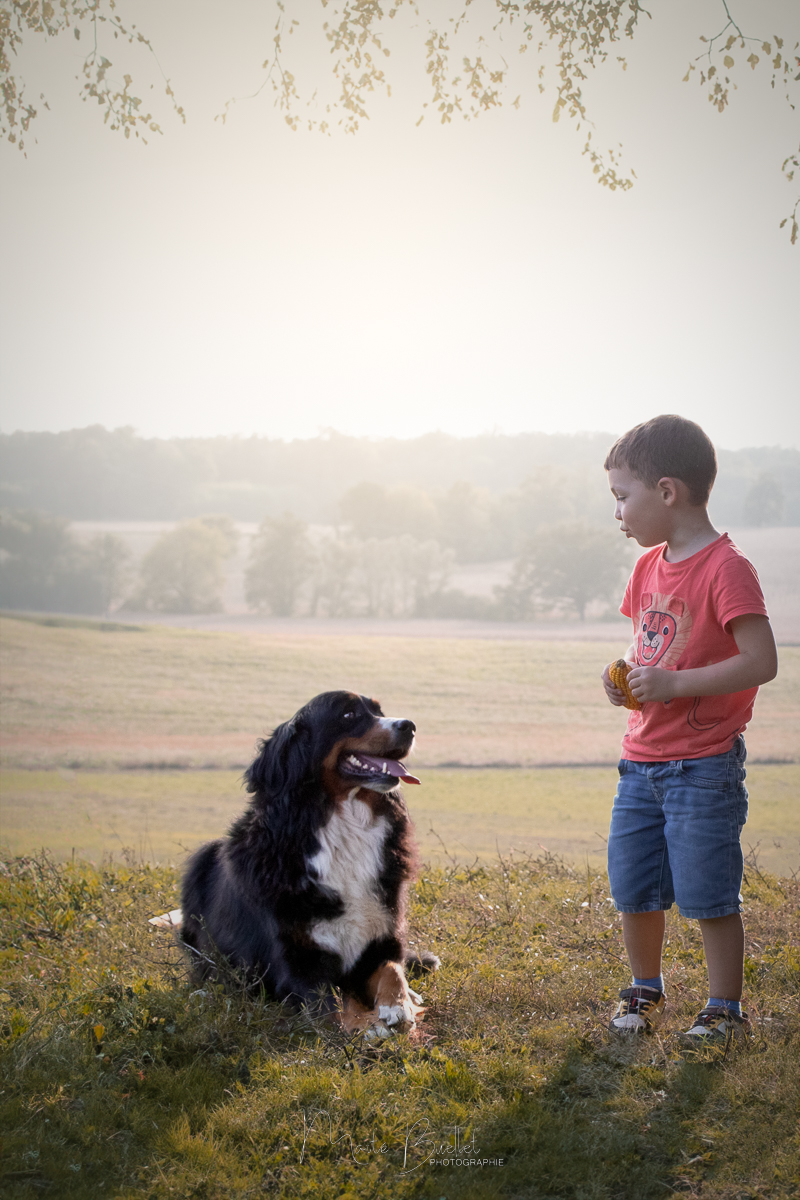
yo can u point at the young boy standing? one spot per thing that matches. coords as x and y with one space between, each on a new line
702 646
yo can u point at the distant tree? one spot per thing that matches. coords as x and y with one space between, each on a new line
373 510
764 502
108 559
427 568
399 577
568 564
281 560
334 569
470 523
226 526
544 498
44 567
183 571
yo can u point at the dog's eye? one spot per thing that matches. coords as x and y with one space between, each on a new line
348 716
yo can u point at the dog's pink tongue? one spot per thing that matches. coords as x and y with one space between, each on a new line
388 766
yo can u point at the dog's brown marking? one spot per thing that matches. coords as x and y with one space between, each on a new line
387 988
377 741
388 985
354 1017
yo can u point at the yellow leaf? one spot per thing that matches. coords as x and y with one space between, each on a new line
98 1031
728 61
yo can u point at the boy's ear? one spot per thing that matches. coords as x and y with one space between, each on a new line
669 489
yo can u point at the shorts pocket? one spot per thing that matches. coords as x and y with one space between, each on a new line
711 773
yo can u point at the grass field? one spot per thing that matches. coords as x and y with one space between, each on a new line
82 700
120 1079
172 697
160 815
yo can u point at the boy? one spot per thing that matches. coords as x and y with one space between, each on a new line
702 645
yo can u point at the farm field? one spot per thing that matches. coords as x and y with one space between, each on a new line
85 696
159 816
86 707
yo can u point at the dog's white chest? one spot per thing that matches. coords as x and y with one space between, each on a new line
349 863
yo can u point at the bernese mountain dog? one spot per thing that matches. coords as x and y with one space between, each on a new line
306 896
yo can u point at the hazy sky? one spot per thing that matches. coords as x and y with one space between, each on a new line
245 278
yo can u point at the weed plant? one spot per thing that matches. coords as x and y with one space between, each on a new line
122 1078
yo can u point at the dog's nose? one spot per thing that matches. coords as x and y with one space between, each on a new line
406 727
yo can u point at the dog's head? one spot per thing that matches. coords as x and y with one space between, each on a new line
340 738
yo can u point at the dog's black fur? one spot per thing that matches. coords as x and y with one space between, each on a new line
253 898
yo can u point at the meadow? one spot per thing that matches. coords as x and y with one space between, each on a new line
123 748
120 1078
102 695
463 814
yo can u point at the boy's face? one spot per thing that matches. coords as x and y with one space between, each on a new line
641 510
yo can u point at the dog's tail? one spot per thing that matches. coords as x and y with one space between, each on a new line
421 963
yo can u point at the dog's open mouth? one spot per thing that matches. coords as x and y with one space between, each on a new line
369 770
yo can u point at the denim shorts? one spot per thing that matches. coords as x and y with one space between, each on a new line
675 830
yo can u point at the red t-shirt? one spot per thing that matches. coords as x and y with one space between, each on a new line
680 614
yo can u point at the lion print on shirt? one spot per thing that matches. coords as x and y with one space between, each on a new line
663 629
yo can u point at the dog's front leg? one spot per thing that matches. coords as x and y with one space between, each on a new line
396 1005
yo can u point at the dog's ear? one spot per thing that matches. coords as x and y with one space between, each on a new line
283 760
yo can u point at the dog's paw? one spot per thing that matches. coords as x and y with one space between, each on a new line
378 1033
415 996
400 1018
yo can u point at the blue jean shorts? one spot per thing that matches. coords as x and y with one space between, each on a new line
675 830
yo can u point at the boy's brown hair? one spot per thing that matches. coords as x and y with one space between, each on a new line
667 445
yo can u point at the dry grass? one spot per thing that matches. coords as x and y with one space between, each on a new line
121 1080
474 813
88 697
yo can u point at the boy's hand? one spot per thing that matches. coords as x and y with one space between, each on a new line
652 683
613 693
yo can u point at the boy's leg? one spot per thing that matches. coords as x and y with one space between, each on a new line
722 1019
706 807
641 884
643 933
723 941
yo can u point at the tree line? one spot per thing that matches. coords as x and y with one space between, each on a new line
374 548
100 474
293 570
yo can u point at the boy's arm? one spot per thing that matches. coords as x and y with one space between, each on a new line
756 663
613 693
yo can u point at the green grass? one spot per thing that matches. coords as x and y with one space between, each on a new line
120 1079
81 696
468 813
